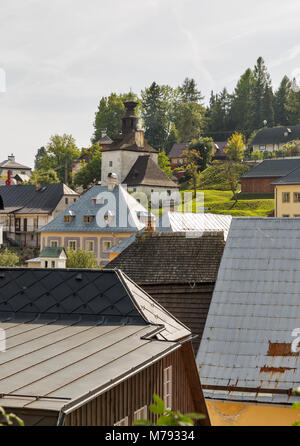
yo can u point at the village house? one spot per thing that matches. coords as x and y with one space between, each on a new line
273 139
177 154
26 208
102 218
178 270
90 348
50 257
246 361
260 179
287 195
18 172
133 160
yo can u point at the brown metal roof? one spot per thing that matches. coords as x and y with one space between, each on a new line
147 173
71 334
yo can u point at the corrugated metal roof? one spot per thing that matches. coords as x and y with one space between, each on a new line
255 307
185 221
123 205
73 332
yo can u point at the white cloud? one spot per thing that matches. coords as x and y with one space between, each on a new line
61 56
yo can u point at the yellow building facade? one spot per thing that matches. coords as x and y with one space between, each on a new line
287 200
247 414
97 243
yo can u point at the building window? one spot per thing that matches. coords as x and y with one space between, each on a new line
46 263
110 164
54 244
67 200
107 246
90 246
123 422
285 197
141 414
296 216
67 218
88 218
168 387
74 200
262 148
72 245
52 264
169 192
285 216
296 197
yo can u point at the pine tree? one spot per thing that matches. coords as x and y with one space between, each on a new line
154 114
262 105
280 101
240 114
293 104
189 91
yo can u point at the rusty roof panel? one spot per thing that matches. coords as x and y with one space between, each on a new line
255 307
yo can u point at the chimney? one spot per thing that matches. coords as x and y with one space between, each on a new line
149 221
130 120
11 158
112 181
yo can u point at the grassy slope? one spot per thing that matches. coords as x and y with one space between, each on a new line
214 177
220 202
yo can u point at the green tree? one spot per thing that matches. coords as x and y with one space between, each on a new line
241 102
280 101
219 115
189 91
61 151
109 116
81 259
205 148
90 172
293 104
236 147
172 139
262 100
193 161
8 259
41 153
155 114
44 177
164 163
190 121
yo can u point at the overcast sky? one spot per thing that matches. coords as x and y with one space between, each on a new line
61 56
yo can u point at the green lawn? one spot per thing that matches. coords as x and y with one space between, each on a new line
220 202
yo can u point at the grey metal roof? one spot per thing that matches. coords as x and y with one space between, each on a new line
70 334
186 221
273 168
245 352
125 209
291 178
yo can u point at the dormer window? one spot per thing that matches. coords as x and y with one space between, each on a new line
108 217
88 218
69 217
98 200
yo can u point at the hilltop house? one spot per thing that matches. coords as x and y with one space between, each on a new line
90 348
273 139
18 171
102 218
260 179
27 208
133 160
246 360
178 270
